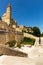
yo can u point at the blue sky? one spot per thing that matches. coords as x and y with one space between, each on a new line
26 12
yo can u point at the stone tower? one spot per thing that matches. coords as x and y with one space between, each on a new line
8 11
7 16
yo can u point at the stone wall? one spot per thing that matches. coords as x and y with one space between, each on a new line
6 36
10 36
18 37
2 38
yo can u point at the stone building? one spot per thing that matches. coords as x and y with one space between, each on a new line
26 29
7 17
7 28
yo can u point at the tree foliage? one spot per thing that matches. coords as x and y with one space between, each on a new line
36 32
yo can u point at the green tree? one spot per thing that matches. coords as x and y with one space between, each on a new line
36 31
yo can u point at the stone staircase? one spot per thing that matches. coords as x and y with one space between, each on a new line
11 52
29 36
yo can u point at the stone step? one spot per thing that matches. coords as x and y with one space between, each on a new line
7 51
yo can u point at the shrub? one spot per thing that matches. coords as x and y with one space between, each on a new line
24 30
28 41
11 43
19 45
